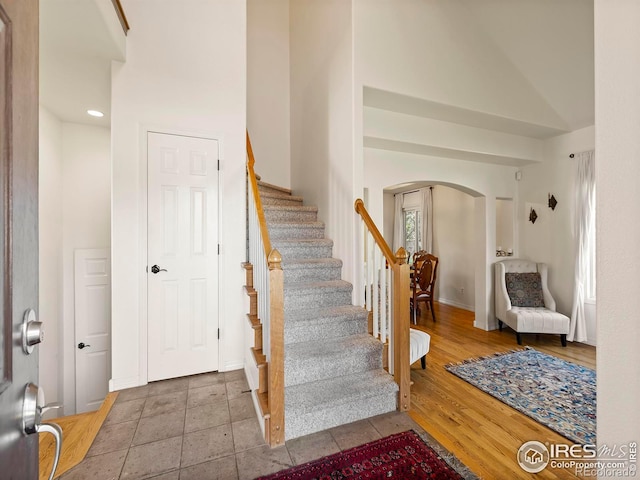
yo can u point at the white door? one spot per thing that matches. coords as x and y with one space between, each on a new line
182 247
92 291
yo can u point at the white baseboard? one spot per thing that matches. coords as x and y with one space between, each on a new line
453 303
122 383
232 366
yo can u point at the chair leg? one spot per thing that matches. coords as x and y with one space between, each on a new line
563 339
519 338
423 362
500 325
433 312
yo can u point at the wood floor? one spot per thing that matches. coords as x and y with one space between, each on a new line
480 430
78 432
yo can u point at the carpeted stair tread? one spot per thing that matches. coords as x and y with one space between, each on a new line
295 230
330 322
322 348
306 263
329 293
290 208
304 241
336 391
315 360
303 247
328 284
317 406
344 312
277 198
290 213
270 187
303 270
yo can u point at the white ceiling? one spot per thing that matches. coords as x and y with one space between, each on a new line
78 41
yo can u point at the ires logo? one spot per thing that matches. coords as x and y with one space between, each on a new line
561 450
585 460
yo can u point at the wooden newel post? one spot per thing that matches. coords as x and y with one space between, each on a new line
276 361
401 314
402 256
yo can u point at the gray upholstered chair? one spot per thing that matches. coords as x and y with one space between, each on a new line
523 300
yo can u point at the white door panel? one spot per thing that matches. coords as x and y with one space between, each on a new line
92 279
182 245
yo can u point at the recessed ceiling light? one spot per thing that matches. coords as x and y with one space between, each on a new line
95 113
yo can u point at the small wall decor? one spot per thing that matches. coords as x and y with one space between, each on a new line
552 202
533 216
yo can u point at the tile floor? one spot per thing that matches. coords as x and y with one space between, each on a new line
204 427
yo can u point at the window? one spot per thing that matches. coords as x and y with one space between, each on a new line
412 231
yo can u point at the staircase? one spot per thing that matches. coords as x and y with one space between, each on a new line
333 367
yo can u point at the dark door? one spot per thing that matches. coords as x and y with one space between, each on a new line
18 228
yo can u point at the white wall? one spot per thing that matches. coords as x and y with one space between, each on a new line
551 239
453 244
186 71
268 103
505 224
50 254
485 182
322 124
436 51
617 63
86 220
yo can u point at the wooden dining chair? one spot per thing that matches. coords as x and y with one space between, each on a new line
422 288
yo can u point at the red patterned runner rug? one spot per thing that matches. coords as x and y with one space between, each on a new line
401 456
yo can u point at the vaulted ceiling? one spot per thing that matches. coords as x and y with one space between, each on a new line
551 43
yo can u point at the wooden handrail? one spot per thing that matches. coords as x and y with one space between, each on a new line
266 242
121 16
375 233
274 428
401 314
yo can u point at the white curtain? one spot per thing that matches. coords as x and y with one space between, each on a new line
398 223
427 219
584 205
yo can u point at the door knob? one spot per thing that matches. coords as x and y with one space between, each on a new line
157 269
32 409
32 332
82 345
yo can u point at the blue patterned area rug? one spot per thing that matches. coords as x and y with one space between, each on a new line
552 391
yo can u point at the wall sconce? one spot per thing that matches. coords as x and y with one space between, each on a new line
533 216
552 202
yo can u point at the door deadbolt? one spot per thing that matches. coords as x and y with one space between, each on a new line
32 332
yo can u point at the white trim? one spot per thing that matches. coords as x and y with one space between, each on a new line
144 130
232 367
123 383
453 303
